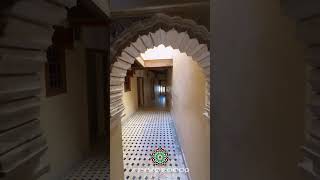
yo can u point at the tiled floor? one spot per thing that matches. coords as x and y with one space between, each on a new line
143 133
91 169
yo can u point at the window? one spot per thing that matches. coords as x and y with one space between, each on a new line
55 72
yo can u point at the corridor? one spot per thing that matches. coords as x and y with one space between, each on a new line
144 132
163 134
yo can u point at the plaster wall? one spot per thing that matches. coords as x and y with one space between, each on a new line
188 100
258 91
130 99
64 118
116 155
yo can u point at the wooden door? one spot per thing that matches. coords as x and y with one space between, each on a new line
140 91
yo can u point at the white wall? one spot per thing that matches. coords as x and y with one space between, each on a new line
188 102
64 118
258 79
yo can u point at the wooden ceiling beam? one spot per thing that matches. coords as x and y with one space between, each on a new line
158 63
151 68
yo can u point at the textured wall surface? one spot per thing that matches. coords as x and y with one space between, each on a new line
258 78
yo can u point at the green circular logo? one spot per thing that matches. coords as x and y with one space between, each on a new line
160 156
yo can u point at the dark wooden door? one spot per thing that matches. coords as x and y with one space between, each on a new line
140 91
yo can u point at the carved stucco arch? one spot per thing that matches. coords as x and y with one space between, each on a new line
24 38
182 34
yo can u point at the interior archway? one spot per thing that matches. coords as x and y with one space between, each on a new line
182 34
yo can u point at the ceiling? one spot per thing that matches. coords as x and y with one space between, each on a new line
129 4
198 10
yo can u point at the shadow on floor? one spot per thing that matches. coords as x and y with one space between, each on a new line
95 167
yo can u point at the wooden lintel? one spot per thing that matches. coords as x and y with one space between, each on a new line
151 68
158 63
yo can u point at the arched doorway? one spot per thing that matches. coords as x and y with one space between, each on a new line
182 34
179 33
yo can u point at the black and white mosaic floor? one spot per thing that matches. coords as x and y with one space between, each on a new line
91 169
142 134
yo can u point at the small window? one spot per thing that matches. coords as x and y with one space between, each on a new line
55 72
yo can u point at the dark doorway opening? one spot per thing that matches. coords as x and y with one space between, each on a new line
96 98
140 91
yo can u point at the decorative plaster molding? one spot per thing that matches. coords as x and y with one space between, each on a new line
182 34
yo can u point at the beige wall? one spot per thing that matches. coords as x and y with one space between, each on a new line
64 118
116 156
130 99
188 103
148 87
258 81
130 102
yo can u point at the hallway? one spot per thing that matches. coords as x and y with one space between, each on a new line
160 102
239 82
162 131
142 133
